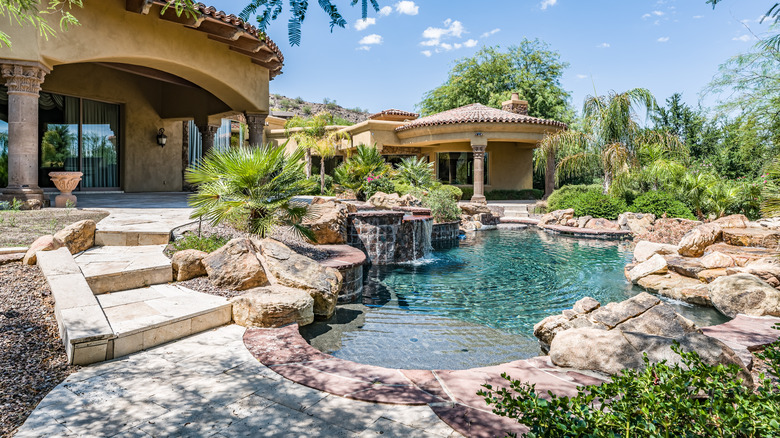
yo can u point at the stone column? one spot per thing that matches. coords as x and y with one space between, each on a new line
24 85
256 124
207 133
478 146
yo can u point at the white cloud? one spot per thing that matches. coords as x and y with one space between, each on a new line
434 35
696 17
407 7
653 14
470 43
744 38
362 24
371 39
366 48
446 46
663 39
492 32
547 3
658 13
603 46
427 53
582 76
384 12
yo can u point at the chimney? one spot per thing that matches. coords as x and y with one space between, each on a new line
515 105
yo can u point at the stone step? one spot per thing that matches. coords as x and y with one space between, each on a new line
508 213
147 317
117 268
131 238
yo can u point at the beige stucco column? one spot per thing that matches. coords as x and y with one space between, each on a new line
478 146
207 133
256 124
23 80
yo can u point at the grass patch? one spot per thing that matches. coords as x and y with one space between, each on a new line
206 243
21 228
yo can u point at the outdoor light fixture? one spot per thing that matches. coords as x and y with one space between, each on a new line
161 137
478 134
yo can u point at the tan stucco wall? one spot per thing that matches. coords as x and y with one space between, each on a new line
109 33
144 166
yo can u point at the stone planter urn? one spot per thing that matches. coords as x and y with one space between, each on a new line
65 182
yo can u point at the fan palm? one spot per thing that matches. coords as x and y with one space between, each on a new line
251 185
695 188
417 172
366 161
310 131
326 148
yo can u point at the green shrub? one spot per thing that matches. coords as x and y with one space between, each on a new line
455 192
415 171
658 203
595 203
315 180
401 188
504 195
690 399
209 243
444 208
468 192
375 184
563 198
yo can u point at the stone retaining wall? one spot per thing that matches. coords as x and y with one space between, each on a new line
387 236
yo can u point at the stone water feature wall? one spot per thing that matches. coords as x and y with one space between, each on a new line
446 231
388 237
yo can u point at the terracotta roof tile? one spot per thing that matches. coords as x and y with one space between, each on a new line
476 113
394 112
213 12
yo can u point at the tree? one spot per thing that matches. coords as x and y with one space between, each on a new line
313 134
489 77
688 124
27 12
254 186
770 207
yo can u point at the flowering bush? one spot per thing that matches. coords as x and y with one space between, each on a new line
376 183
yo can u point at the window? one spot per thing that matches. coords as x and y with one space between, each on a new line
78 135
458 167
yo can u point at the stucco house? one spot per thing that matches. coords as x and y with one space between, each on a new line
471 146
96 97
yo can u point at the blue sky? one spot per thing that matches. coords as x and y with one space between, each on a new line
391 60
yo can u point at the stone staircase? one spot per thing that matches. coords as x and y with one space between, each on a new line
115 299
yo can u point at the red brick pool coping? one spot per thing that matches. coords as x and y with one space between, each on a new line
451 394
342 256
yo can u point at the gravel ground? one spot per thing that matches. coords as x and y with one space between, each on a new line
202 284
32 357
21 228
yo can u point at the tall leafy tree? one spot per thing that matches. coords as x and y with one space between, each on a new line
489 77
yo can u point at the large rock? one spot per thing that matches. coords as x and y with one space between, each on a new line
743 255
755 237
676 286
43 243
78 236
615 313
716 260
746 294
644 250
613 351
659 320
698 239
546 329
294 270
686 266
600 223
273 306
709 275
235 266
352 207
188 264
655 265
389 201
472 208
767 269
328 223
733 221
637 223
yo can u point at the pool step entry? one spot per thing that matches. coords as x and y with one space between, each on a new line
517 210
147 317
118 268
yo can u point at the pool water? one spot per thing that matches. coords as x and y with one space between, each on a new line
475 303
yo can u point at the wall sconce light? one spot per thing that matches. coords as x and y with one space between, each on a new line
478 134
161 137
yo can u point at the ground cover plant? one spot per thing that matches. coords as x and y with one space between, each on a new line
688 399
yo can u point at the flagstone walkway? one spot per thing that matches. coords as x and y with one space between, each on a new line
210 385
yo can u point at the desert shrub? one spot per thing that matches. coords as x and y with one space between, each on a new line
597 204
209 243
306 110
455 192
658 203
503 195
377 183
689 399
443 207
563 198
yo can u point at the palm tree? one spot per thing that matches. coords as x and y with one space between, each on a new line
660 163
695 187
326 148
770 207
610 139
251 185
366 161
417 172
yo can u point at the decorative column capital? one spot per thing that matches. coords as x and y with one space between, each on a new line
23 77
208 129
256 120
479 150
